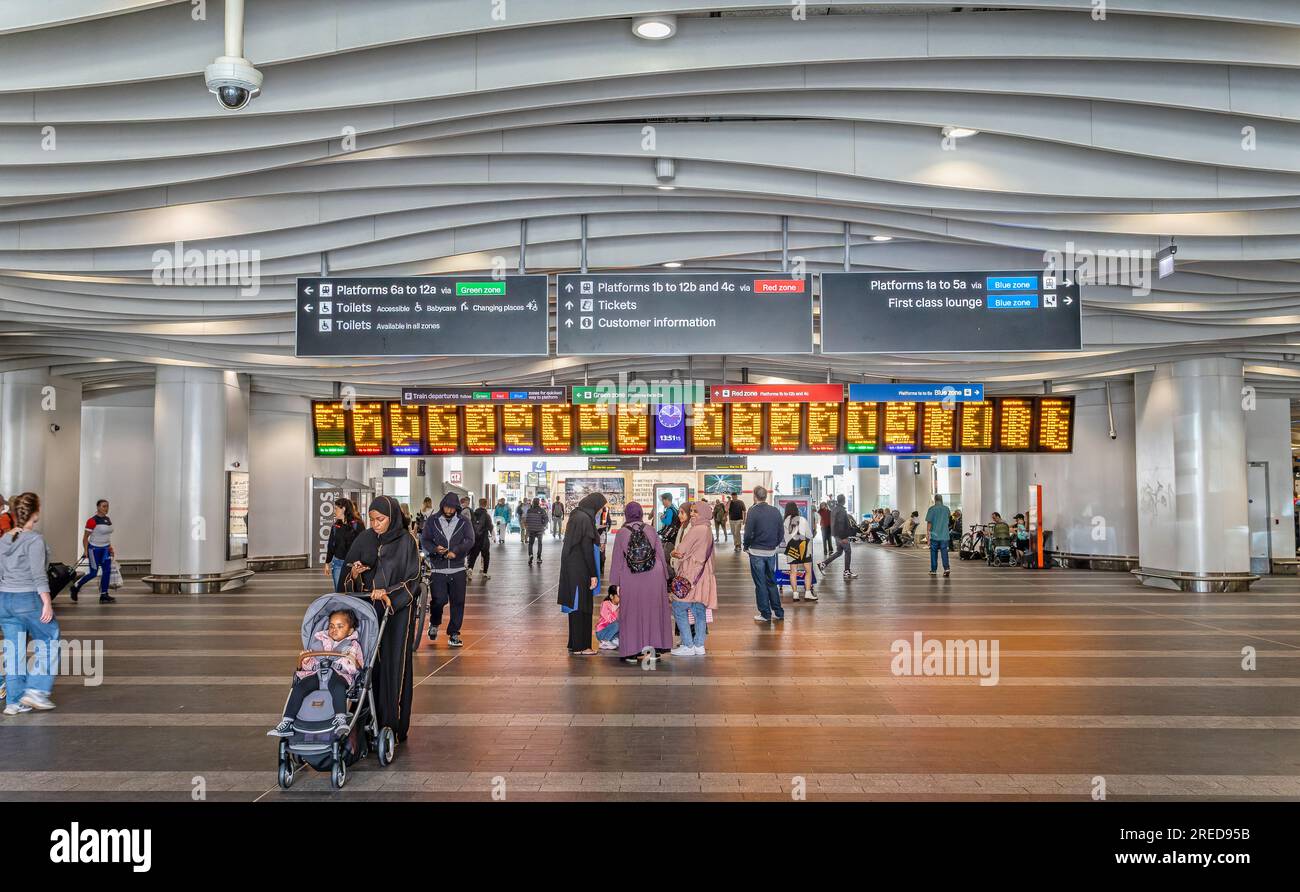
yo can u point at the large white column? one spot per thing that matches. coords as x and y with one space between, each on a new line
40 448
473 477
1268 444
281 463
867 486
200 416
1191 476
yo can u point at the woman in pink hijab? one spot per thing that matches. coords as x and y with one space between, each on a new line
695 564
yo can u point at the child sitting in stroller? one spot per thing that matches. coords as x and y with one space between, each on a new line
338 641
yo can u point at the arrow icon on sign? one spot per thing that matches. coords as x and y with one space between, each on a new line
568 323
1068 300
307 290
569 287
307 307
568 305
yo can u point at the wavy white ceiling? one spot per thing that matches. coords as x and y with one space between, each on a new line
1113 135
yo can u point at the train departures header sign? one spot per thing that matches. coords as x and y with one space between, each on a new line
950 312
997 424
672 315
423 316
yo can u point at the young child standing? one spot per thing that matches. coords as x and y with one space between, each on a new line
607 625
339 638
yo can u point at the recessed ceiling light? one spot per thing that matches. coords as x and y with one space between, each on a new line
665 188
882 238
673 264
959 132
655 27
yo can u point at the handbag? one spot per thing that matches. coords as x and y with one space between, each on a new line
679 587
796 551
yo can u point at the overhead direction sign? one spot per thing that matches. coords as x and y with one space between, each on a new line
950 312
670 314
924 393
422 316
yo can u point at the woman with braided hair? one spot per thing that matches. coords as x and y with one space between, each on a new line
26 610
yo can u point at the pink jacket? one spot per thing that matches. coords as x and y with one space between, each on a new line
608 614
349 645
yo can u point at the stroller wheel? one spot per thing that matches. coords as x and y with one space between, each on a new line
419 617
385 745
339 776
285 776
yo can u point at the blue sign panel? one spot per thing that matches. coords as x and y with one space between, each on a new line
1010 283
1013 301
670 429
916 393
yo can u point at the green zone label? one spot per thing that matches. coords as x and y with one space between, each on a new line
639 392
480 289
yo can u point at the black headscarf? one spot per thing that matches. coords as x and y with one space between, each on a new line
577 555
389 507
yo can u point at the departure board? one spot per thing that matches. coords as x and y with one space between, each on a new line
1015 424
976 426
632 433
707 431
480 430
1055 424
367 422
746 433
443 426
900 427
329 428
405 431
861 427
557 428
824 427
518 429
939 427
784 427
593 429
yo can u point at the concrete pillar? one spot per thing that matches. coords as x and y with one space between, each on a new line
1191 476
200 433
868 485
1268 453
473 478
40 449
1090 496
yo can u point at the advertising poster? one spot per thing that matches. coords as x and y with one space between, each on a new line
721 484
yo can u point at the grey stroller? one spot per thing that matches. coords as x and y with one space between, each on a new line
314 740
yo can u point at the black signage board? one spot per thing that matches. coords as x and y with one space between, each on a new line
669 314
422 316
950 312
667 463
419 396
721 462
614 463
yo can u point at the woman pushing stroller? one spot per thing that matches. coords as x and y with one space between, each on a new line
338 640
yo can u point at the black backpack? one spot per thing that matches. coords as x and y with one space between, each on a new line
639 554
668 535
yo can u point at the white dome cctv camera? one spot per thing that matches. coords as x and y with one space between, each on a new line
234 81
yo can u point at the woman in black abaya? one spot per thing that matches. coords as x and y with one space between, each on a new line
580 572
385 567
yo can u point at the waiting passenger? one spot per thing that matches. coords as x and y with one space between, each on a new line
535 525
607 625
347 526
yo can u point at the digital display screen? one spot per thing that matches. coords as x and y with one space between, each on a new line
330 428
746 434
557 428
670 429
976 426
900 427
707 433
632 435
480 430
1055 424
939 427
861 427
368 428
1015 424
405 430
824 427
443 425
593 429
785 427
518 429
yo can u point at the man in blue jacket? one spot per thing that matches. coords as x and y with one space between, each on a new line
762 539
446 538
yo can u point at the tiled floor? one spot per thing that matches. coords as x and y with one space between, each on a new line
1098 678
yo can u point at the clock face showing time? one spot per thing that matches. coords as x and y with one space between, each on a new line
671 416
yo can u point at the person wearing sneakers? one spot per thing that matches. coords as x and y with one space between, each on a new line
843 529
761 539
937 521
447 537
26 610
692 603
607 625
99 553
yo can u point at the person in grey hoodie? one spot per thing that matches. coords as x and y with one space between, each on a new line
535 524
26 610
763 535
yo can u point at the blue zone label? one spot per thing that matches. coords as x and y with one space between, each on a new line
1013 301
1011 283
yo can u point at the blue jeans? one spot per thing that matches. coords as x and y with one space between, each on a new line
101 562
20 619
763 569
692 636
938 547
609 633
337 566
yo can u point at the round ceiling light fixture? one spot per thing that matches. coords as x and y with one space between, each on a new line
655 27
959 132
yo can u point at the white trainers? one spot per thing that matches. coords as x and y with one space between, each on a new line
36 700
699 650
16 708
811 596
683 651
608 645
760 618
